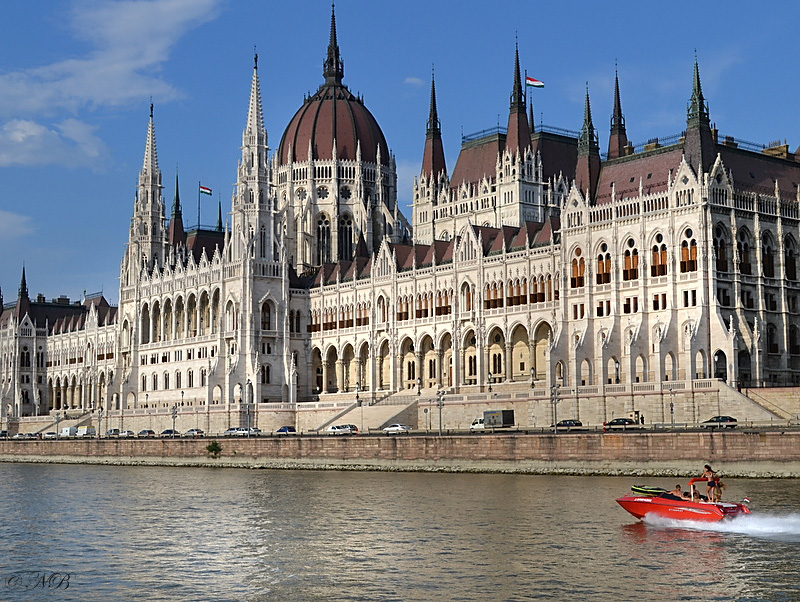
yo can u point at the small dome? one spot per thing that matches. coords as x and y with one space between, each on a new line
333 113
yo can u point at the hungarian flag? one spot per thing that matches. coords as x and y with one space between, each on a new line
204 190
529 81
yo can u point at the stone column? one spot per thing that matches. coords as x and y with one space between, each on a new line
339 376
509 362
440 365
418 368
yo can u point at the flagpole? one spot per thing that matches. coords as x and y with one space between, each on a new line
198 206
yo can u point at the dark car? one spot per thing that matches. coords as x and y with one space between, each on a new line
568 425
146 433
286 430
719 422
170 433
621 424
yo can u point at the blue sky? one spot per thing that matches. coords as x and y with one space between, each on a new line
76 79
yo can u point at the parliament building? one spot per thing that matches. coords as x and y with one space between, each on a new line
539 273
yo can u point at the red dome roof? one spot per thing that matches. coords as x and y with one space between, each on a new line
333 113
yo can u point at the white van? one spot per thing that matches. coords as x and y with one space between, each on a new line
69 431
477 425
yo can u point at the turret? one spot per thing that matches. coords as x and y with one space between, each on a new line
618 140
333 66
518 137
587 171
177 234
433 163
699 146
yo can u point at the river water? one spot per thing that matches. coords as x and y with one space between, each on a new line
150 533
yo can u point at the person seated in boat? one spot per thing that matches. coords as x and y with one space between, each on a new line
696 495
677 491
718 490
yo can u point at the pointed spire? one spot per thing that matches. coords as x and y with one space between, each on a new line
698 108
619 137
23 286
433 162
518 136
255 115
176 201
530 117
176 232
587 171
434 125
588 139
219 216
333 67
150 165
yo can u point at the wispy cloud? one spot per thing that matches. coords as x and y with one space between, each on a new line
413 81
130 41
14 225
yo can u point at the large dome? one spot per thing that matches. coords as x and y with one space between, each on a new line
333 113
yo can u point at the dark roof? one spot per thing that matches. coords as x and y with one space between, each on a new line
199 239
652 168
559 154
478 159
59 315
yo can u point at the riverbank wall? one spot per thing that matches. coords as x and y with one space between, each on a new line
740 454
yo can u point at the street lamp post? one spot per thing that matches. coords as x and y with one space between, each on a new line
554 399
533 377
419 387
58 419
174 418
147 401
672 406
99 418
247 406
616 366
440 405
489 378
359 404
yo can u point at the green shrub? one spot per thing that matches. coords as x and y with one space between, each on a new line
214 449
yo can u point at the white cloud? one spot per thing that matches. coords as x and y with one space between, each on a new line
70 142
131 41
13 225
413 81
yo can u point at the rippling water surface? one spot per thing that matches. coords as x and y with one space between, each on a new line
144 533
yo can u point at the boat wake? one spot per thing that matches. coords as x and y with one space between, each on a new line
786 527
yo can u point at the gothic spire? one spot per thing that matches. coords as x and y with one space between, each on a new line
150 165
333 67
255 115
587 143
433 162
619 137
23 286
176 232
587 171
518 136
697 113
219 216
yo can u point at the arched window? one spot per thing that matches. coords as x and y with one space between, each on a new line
658 265
323 240
262 242
688 252
721 249
578 270
768 257
743 246
346 237
266 316
604 265
631 257
190 378
790 258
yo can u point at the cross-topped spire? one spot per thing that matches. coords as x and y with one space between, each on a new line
150 164
517 96
698 108
588 140
333 67
255 115
23 286
434 125
618 140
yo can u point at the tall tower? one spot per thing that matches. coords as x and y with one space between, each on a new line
147 239
177 234
252 224
518 138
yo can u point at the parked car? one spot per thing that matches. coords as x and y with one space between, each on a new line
719 422
286 430
18 436
112 433
231 432
146 433
568 425
50 435
170 433
621 424
126 434
3 434
194 433
397 429
342 429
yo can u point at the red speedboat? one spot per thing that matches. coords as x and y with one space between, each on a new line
659 502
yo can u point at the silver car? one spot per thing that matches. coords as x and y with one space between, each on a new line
397 429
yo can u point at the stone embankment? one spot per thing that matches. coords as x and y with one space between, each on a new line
737 454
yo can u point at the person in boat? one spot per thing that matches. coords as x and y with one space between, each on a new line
711 484
696 495
677 491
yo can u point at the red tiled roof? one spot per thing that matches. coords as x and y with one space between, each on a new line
652 168
477 159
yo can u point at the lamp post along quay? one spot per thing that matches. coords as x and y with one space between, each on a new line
360 404
58 419
99 419
174 417
247 406
440 405
555 397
